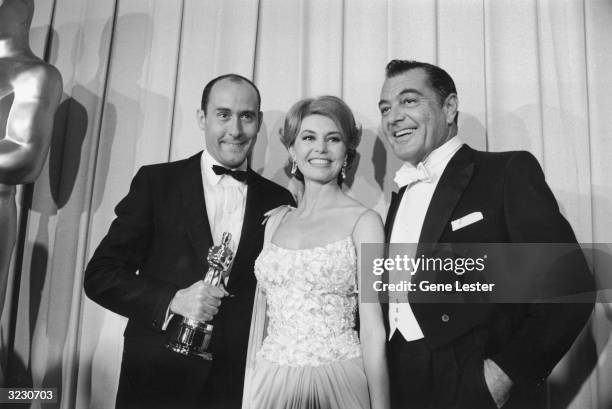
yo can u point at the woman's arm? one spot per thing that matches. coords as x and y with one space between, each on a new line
369 229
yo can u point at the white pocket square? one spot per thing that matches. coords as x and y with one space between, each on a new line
466 220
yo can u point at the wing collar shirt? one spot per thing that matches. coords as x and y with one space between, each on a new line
407 229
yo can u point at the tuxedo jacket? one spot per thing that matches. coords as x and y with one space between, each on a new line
509 190
158 244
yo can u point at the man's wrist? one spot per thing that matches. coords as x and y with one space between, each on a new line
172 307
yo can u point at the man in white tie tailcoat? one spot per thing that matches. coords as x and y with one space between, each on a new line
462 354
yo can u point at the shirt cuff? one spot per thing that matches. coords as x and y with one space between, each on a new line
169 316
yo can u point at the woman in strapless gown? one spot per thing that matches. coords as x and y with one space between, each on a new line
304 351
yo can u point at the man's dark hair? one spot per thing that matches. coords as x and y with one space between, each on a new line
230 77
439 79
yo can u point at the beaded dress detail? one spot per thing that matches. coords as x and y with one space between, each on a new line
312 300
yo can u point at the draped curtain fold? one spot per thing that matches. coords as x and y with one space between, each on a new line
531 74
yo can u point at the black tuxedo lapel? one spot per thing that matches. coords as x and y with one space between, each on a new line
452 183
253 210
396 198
194 207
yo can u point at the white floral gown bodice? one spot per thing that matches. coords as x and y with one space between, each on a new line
311 303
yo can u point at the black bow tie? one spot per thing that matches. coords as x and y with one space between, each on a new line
239 175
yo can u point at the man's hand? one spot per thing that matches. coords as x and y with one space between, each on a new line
498 382
198 302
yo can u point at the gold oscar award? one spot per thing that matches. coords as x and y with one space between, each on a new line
192 338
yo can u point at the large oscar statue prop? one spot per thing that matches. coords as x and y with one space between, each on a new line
192 338
30 92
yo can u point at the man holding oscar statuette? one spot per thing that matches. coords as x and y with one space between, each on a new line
151 264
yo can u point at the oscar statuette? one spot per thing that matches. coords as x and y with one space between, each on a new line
192 338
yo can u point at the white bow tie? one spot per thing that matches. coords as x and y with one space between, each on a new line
408 175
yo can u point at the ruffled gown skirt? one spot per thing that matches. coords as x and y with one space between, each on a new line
336 385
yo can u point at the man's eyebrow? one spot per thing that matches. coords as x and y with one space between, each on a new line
225 109
402 92
410 91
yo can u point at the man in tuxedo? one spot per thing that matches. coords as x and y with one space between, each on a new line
150 265
463 355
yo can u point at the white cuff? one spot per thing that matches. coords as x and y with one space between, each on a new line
169 316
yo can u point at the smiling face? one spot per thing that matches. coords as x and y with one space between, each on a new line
414 121
231 121
319 149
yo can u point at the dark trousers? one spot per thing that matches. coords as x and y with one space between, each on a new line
450 377
154 377
218 392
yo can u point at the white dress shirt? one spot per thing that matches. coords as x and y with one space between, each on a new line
407 229
225 201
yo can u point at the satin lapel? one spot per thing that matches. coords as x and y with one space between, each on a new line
253 212
396 198
453 182
194 208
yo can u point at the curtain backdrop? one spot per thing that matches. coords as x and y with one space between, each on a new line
531 74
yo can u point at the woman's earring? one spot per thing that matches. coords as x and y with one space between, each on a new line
293 166
344 168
